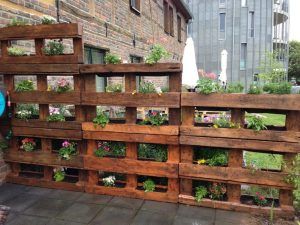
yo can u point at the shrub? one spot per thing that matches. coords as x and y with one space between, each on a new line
15 51
25 85
153 151
255 122
278 88
255 89
28 145
101 119
112 59
54 48
149 185
109 181
200 193
234 88
48 20
154 119
157 53
59 174
207 86
67 150
16 22
114 88
110 148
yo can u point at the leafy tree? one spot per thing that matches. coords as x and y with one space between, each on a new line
294 60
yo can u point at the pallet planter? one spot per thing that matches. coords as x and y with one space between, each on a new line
236 140
131 133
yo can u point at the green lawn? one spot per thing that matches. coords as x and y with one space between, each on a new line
264 160
274 119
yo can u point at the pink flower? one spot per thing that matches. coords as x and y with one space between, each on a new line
154 113
53 111
66 144
62 82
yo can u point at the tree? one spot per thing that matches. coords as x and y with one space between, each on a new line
294 60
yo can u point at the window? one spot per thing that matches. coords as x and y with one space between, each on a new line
222 3
244 3
135 5
222 26
179 28
95 56
171 21
243 56
251 24
135 59
166 17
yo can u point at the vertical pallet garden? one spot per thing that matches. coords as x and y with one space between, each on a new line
235 175
129 169
36 167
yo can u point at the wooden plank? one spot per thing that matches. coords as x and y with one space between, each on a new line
43 158
131 166
175 85
264 135
46 97
132 129
140 138
35 59
133 193
244 101
158 68
284 212
233 175
266 146
62 30
48 133
170 100
37 69
69 125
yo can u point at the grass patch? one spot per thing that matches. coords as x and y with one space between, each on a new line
273 119
264 160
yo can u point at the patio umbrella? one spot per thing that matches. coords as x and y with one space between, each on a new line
223 75
190 72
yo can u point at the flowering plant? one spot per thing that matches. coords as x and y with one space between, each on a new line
28 144
23 114
62 85
67 150
55 115
260 200
155 119
106 148
149 87
217 191
48 19
223 121
59 174
54 48
109 181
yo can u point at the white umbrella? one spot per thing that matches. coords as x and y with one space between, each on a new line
223 75
190 71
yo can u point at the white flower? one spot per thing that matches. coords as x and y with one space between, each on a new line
109 181
158 90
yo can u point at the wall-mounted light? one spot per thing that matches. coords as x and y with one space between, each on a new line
134 40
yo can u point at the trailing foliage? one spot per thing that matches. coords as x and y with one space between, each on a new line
200 193
15 51
255 122
110 148
157 53
153 151
255 89
112 59
16 22
67 150
278 88
207 86
114 88
25 85
149 185
54 48
101 119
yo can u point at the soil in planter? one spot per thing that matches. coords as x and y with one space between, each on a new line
249 200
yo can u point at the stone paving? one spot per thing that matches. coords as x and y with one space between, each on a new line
41 206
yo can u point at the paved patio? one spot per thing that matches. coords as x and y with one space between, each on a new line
41 206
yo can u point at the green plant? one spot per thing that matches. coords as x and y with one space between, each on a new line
62 86
48 20
3 145
207 86
67 150
255 122
153 151
26 111
149 185
217 191
112 59
109 181
110 148
16 22
59 174
212 157
15 51
255 89
157 53
54 48
278 88
25 85
28 144
222 121
146 87
154 119
114 88
101 119
56 118
260 199
234 88
200 193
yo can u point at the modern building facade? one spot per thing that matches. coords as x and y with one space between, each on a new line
246 29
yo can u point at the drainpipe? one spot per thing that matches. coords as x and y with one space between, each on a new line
57 3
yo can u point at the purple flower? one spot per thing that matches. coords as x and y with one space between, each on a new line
66 144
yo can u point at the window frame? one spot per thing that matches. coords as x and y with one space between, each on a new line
251 24
179 27
166 17
219 26
171 21
133 7
222 5
244 3
243 56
